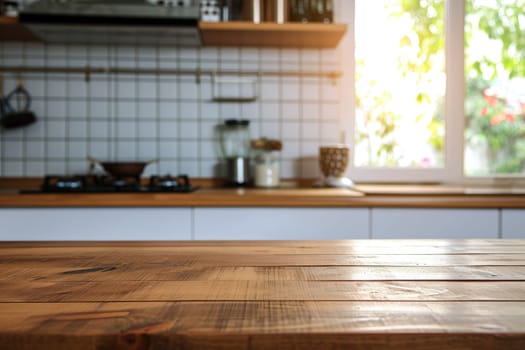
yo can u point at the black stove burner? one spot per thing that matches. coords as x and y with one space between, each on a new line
169 183
63 183
110 184
115 184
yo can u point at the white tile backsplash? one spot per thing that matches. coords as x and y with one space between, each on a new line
35 85
329 130
330 111
56 167
34 168
126 89
168 110
147 89
291 130
189 149
36 130
169 117
77 149
35 149
189 130
126 109
147 129
56 129
270 89
189 110
291 111
310 130
99 149
56 108
168 167
99 129
77 129
271 111
126 129
56 149
170 129
270 130
14 149
77 109
291 150
13 168
148 110
167 89
147 150
168 149
126 150
310 90
209 149
78 89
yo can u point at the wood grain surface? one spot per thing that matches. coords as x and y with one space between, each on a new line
294 193
267 34
369 294
303 197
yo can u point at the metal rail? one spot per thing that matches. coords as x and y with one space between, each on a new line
88 71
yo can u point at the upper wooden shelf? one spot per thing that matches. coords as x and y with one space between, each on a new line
11 30
295 35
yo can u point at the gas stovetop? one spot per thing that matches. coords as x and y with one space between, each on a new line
112 184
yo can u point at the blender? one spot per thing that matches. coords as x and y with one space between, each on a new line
235 148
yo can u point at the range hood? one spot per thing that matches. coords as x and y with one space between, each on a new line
133 22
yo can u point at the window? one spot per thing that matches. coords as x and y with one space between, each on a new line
495 88
437 89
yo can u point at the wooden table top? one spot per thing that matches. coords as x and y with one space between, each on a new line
368 294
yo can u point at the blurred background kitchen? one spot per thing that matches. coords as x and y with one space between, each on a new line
170 117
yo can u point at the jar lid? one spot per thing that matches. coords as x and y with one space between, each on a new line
237 122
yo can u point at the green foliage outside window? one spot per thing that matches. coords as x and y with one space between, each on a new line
495 117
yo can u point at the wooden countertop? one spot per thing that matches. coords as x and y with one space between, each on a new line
293 194
300 197
370 294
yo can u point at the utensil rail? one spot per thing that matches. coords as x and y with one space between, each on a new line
87 71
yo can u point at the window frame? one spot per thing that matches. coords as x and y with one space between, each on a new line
453 170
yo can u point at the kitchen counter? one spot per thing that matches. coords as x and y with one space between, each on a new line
364 196
380 294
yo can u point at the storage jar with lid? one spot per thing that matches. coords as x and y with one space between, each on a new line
267 172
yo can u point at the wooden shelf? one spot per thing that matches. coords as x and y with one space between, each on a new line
11 30
296 35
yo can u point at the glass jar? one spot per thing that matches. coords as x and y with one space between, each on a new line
235 138
235 147
267 172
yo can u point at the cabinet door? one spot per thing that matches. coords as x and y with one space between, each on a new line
513 223
281 223
435 223
24 224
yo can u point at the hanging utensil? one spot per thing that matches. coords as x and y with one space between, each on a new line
19 115
5 108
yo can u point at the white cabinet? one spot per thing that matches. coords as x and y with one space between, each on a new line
281 223
513 223
434 223
23 224
223 223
